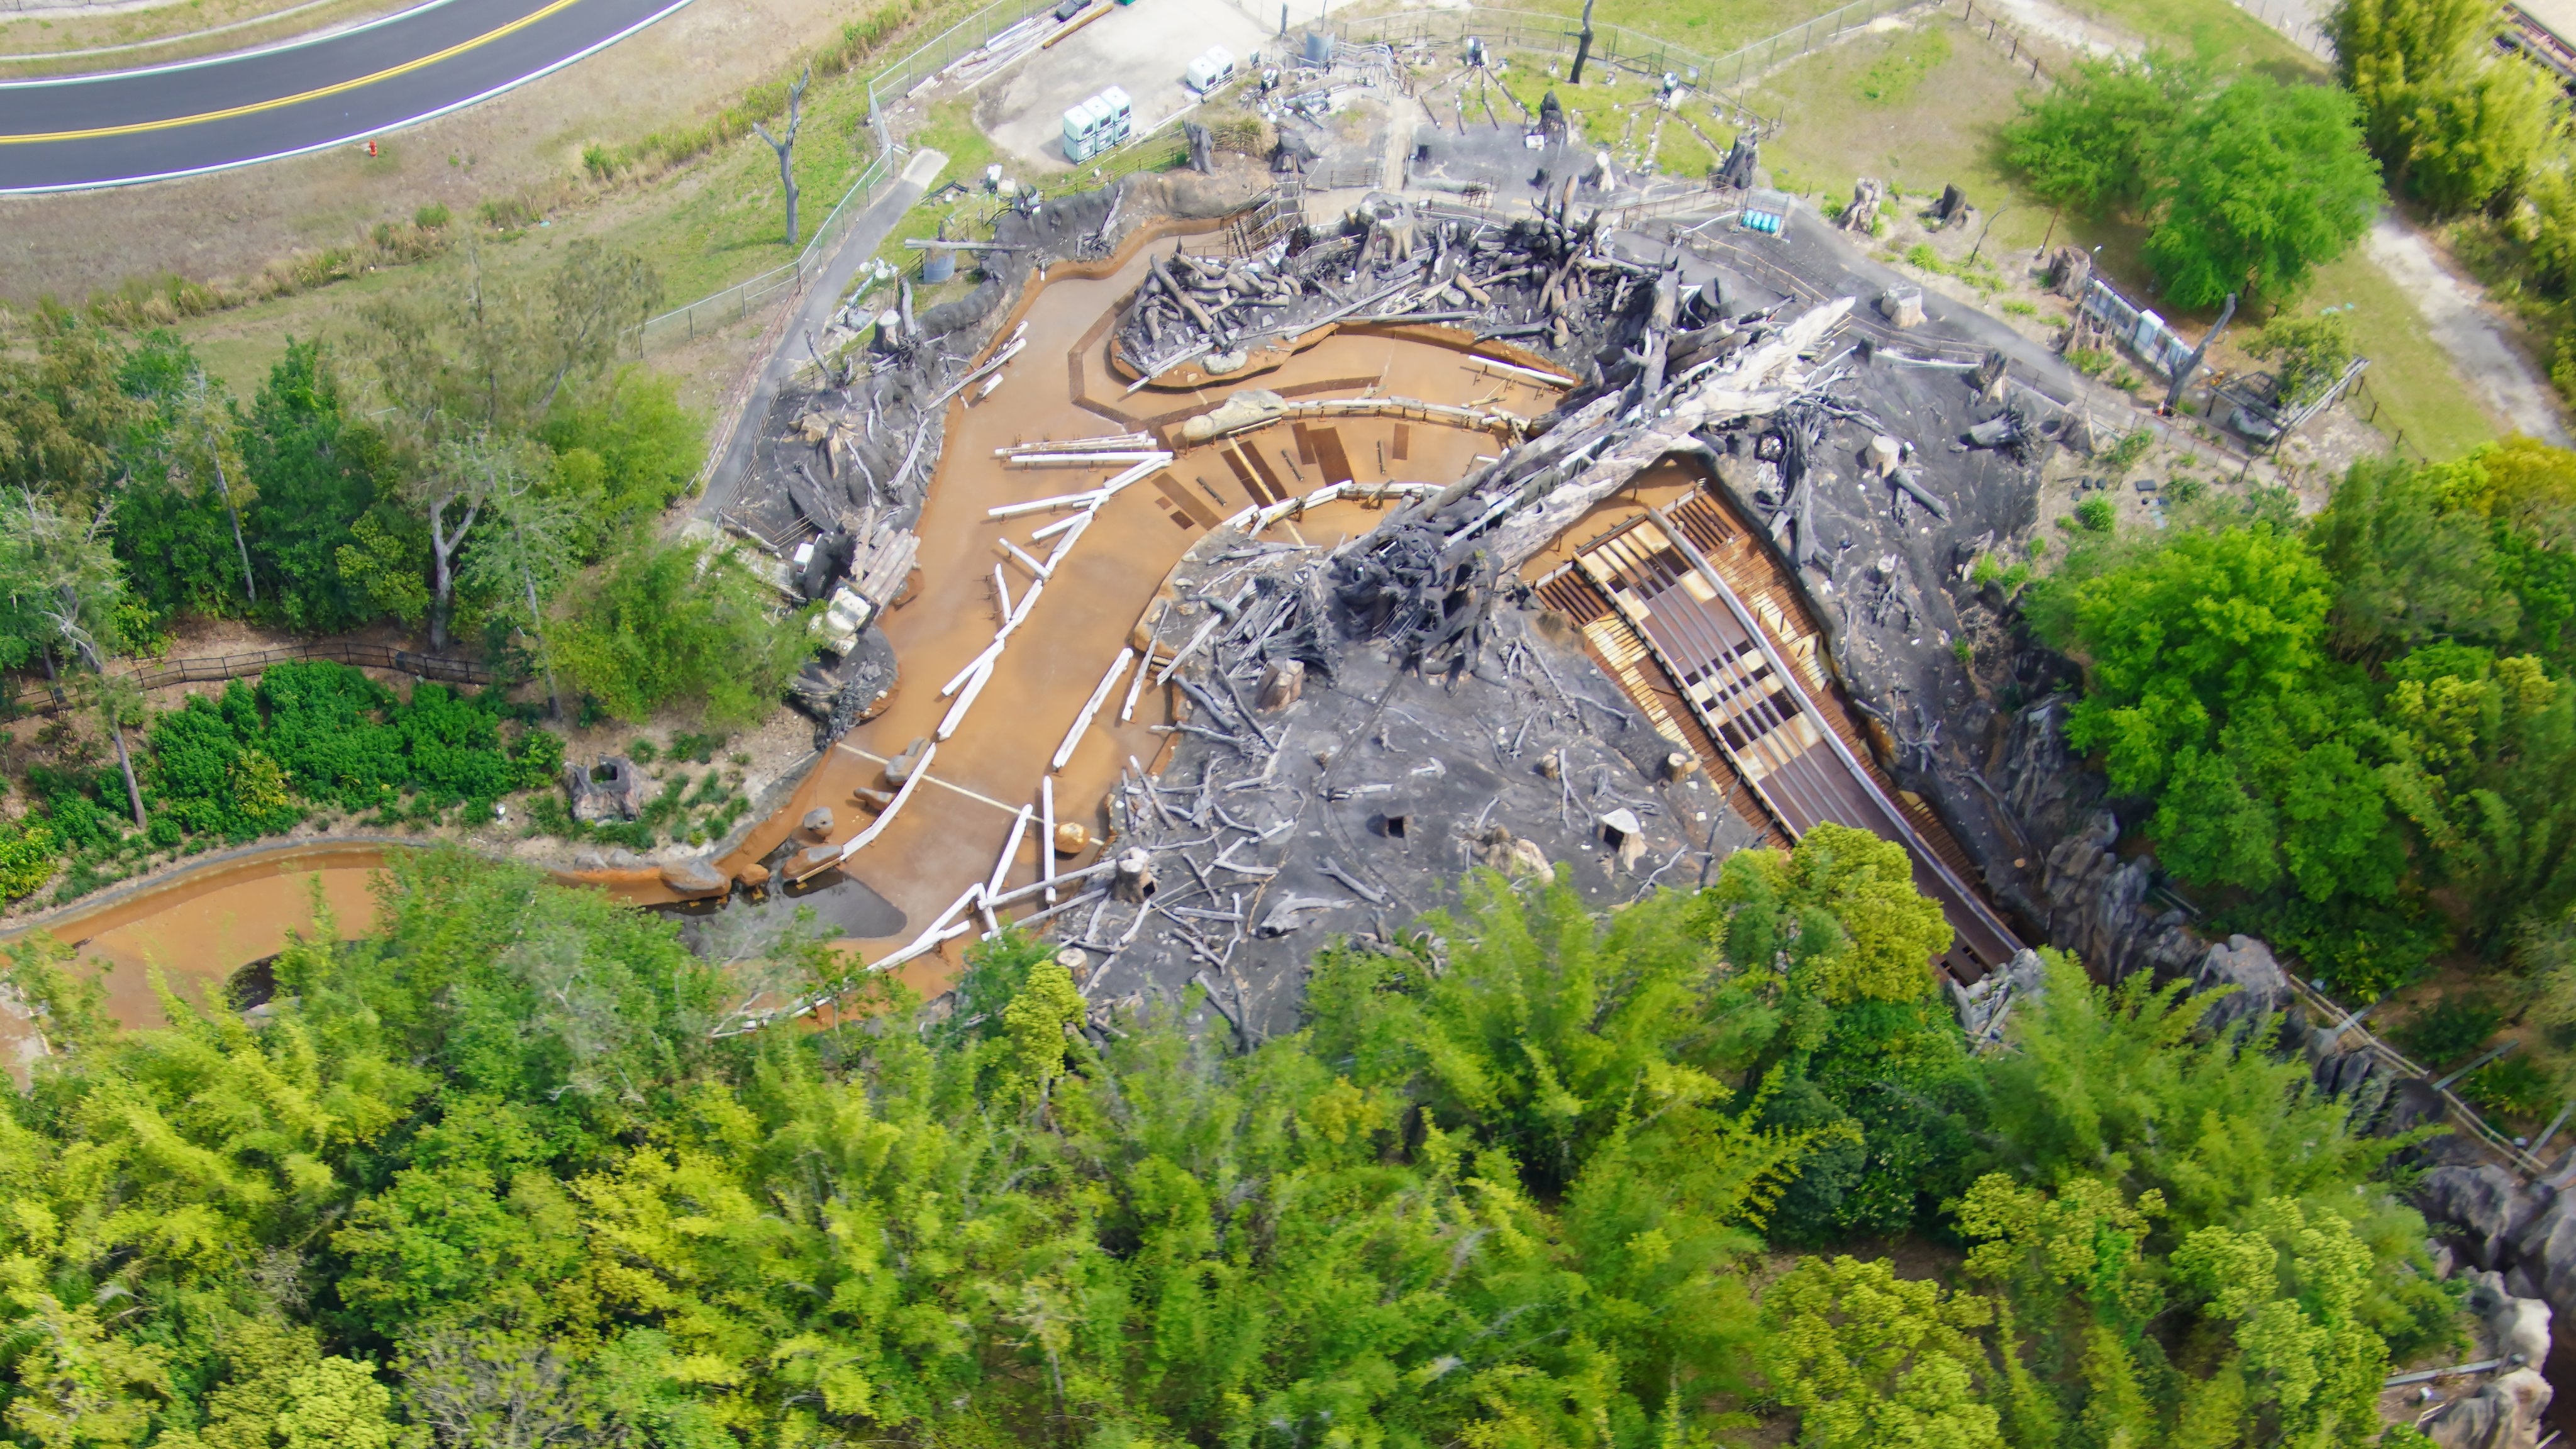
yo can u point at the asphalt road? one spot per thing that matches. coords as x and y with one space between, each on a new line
195 116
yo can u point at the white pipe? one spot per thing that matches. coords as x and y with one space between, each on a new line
965 701
1060 525
1027 602
1550 378
938 931
1141 471
1031 564
1136 686
991 652
860 841
1057 504
1010 852
1112 442
1192 647
1064 545
1099 697
1002 591
1046 843
1083 460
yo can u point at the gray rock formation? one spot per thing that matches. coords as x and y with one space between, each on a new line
2504 1413
615 790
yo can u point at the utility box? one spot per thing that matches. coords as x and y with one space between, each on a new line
1097 125
1209 71
1766 212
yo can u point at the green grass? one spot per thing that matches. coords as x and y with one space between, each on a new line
1941 92
1712 30
2215 30
2419 392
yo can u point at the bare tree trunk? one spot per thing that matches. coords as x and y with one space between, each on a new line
225 487
125 762
545 661
1582 45
786 171
442 549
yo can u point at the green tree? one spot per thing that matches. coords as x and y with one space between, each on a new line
2096 141
2457 123
2267 182
2309 353
1869 1360
315 472
680 625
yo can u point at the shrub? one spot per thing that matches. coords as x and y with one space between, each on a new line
432 217
2097 514
681 625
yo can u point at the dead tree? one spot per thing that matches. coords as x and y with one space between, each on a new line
1582 44
786 171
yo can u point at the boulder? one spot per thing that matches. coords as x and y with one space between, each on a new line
696 876
753 876
2485 1206
2504 1413
818 821
2255 984
899 769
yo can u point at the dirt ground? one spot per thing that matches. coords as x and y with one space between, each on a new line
1142 48
232 223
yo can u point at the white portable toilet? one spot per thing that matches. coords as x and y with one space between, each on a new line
1212 69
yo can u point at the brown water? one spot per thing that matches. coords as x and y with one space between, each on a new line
203 924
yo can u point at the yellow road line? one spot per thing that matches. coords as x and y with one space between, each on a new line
254 107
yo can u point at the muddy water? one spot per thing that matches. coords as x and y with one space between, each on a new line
201 925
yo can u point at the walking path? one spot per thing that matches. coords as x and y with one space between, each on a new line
733 455
2493 367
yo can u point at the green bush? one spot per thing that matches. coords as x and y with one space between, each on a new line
323 735
2450 1031
432 217
2097 514
680 625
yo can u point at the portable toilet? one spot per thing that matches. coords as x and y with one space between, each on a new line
1079 124
1210 70
1116 114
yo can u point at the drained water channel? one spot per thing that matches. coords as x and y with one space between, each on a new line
206 922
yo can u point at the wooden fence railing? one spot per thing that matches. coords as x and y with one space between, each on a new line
49 698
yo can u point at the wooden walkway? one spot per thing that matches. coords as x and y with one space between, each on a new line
1700 628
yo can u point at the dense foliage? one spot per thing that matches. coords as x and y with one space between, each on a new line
261 759
680 623
2360 729
2457 125
517 453
503 1173
2244 187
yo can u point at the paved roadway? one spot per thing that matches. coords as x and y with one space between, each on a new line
195 116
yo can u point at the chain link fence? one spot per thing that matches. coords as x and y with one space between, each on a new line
719 309
1617 46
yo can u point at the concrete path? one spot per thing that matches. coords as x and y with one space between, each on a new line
821 298
2456 315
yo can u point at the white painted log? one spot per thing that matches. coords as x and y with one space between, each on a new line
1057 504
1046 842
991 652
1010 851
956 715
1091 707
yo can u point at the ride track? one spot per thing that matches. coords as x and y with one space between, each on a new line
71 133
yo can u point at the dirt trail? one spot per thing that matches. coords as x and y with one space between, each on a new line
2503 380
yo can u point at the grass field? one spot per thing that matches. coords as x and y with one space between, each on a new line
1920 107
2216 30
2419 392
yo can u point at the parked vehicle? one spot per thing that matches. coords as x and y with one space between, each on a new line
1097 125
